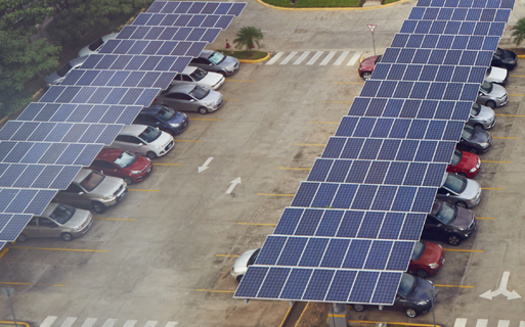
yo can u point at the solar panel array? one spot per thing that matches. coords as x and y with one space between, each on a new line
42 151
349 233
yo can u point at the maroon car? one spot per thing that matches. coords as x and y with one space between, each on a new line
427 259
464 163
366 67
127 165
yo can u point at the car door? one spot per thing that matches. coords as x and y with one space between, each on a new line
73 195
107 168
183 101
202 63
31 229
432 228
48 228
129 143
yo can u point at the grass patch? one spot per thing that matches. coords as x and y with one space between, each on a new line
315 3
256 54
389 1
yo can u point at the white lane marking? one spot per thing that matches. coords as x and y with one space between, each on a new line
171 324
150 323
109 323
327 59
503 323
301 58
130 323
522 324
342 57
275 58
48 321
288 58
482 323
89 322
314 58
460 322
69 322
354 58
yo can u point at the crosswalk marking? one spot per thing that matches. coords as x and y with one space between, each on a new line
288 58
342 57
48 321
327 59
354 58
174 323
482 323
275 58
522 324
69 322
130 323
53 321
89 322
301 58
314 58
460 322
109 323
150 323
503 323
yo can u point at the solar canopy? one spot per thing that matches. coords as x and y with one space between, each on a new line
52 139
349 233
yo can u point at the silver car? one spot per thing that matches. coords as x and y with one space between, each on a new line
91 189
243 261
191 98
481 117
214 61
58 220
60 74
95 46
459 190
492 95
145 140
497 75
198 76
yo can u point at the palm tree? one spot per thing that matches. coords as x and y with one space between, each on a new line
518 31
248 37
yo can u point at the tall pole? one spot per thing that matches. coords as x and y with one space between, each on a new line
374 43
9 291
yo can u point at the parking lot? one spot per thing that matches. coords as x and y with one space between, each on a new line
165 252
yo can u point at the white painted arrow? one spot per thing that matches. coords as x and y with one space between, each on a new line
204 165
233 183
502 289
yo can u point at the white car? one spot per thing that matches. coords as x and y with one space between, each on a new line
144 140
243 261
95 46
60 74
497 75
198 76
459 190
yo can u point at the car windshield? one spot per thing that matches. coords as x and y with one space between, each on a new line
408 283
488 71
254 256
165 114
62 71
475 110
150 134
216 57
447 213
62 213
486 86
419 248
198 74
499 52
92 180
95 45
455 183
379 59
199 92
456 158
126 159
468 132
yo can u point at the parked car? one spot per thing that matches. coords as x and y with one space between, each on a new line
60 74
465 164
145 140
214 61
163 117
198 76
482 117
415 296
129 166
497 75
58 220
475 140
95 46
366 67
240 266
449 222
505 59
492 95
427 259
191 98
91 189
459 190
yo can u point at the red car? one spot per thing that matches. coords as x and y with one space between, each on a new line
129 166
366 67
464 163
426 260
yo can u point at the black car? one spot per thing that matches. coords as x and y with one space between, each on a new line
505 59
165 118
475 140
415 296
449 222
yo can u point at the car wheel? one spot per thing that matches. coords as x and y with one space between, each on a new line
411 312
366 75
454 240
491 104
461 204
422 273
358 307
21 238
239 278
203 111
98 207
66 237
473 150
151 155
128 180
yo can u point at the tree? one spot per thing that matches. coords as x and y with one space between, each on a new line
248 37
518 31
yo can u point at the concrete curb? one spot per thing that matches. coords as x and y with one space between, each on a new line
256 60
333 8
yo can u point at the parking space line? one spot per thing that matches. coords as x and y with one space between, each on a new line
495 161
189 141
227 255
276 194
492 188
323 122
454 286
30 284
485 218
302 314
141 190
293 168
206 119
166 164
517 95
115 219
516 75
213 291
55 249
241 80
3 252
257 224
506 137
310 144
463 250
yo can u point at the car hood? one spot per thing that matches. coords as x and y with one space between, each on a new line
211 79
178 118
369 62
464 218
508 55
497 75
212 97
54 78
140 164
498 91
229 62
468 161
480 136
108 186
80 218
432 254
419 292
241 264
163 139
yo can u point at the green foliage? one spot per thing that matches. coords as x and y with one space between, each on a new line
315 3
248 37
518 31
17 14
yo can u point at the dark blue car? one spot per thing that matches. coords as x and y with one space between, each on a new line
165 118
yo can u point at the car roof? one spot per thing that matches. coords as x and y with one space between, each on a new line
77 61
82 174
134 129
153 109
109 154
189 69
182 88
49 210
206 53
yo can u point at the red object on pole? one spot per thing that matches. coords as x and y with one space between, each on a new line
228 44
371 27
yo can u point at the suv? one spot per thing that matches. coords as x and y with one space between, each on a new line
449 222
91 189
144 140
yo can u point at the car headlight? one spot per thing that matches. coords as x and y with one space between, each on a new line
472 170
175 125
484 144
462 229
135 172
424 302
433 265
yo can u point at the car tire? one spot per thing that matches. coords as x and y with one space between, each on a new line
411 312
461 204
128 180
454 240
366 75
66 237
422 273
21 238
358 307
151 155
491 104
202 111
98 207
239 278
